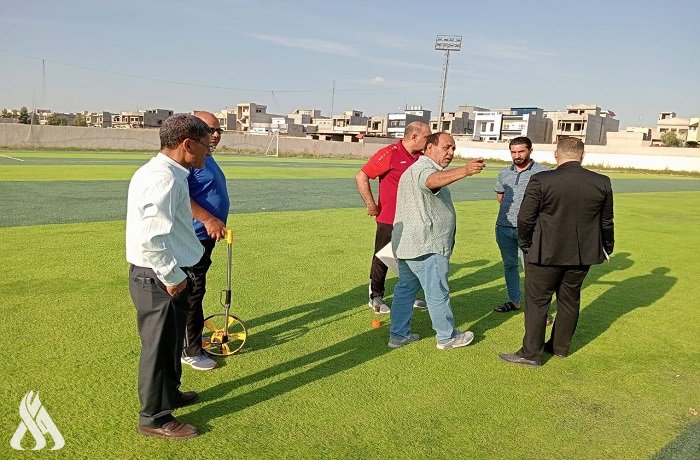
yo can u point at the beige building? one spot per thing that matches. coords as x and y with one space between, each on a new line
307 118
126 120
669 122
693 133
252 117
227 119
350 121
98 119
461 121
586 122
377 126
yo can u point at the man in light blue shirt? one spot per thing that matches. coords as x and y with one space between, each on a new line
422 240
510 188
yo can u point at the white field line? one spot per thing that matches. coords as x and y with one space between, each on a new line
11 158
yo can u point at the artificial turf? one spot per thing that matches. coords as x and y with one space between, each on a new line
315 381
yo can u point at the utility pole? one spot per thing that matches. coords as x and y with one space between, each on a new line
446 43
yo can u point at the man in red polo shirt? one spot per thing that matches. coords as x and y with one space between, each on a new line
388 164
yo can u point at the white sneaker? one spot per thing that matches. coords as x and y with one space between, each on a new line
377 304
199 363
422 304
462 339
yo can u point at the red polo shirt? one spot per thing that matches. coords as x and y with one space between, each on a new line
388 164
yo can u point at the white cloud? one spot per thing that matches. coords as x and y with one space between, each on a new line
338 49
377 80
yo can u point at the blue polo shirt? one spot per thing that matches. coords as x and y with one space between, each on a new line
208 189
511 184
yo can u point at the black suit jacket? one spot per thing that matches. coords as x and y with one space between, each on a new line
566 217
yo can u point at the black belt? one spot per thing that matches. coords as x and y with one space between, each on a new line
148 280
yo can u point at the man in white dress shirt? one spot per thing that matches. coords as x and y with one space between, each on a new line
160 246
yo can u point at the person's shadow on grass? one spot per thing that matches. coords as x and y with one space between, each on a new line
287 376
296 321
625 296
298 372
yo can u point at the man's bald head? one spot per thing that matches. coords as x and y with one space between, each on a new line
213 122
414 136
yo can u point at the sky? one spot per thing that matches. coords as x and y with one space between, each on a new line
635 57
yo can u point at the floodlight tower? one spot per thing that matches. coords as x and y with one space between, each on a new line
446 43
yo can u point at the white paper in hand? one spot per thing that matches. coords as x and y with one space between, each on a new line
386 255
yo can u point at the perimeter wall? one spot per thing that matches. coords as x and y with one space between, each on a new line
15 135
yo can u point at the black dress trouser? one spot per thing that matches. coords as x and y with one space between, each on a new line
377 272
195 312
541 282
161 324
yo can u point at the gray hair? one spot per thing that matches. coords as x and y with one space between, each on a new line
179 127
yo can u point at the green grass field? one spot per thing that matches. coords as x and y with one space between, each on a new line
314 380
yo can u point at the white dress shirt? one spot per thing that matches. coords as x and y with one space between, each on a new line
159 232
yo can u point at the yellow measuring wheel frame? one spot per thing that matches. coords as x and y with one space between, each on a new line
224 333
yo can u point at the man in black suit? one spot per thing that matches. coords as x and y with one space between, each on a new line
565 225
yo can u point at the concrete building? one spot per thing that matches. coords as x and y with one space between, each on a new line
307 118
506 124
693 139
250 115
284 125
350 121
227 119
526 121
154 118
669 122
586 122
126 120
98 119
487 126
377 126
461 121
397 122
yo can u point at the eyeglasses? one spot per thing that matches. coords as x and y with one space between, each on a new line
216 130
201 143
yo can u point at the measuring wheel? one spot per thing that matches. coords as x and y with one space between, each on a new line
219 340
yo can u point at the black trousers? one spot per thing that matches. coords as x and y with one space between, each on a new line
195 312
161 324
377 272
541 282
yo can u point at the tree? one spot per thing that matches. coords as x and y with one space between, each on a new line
6 114
56 120
80 120
23 116
670 139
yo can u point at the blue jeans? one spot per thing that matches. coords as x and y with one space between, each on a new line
507 239
429 272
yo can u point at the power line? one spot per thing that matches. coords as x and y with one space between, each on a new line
202 85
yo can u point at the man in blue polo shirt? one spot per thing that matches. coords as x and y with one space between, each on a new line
510 188
210 206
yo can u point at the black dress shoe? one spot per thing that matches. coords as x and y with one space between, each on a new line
548 348
513 358
174 429
186 397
